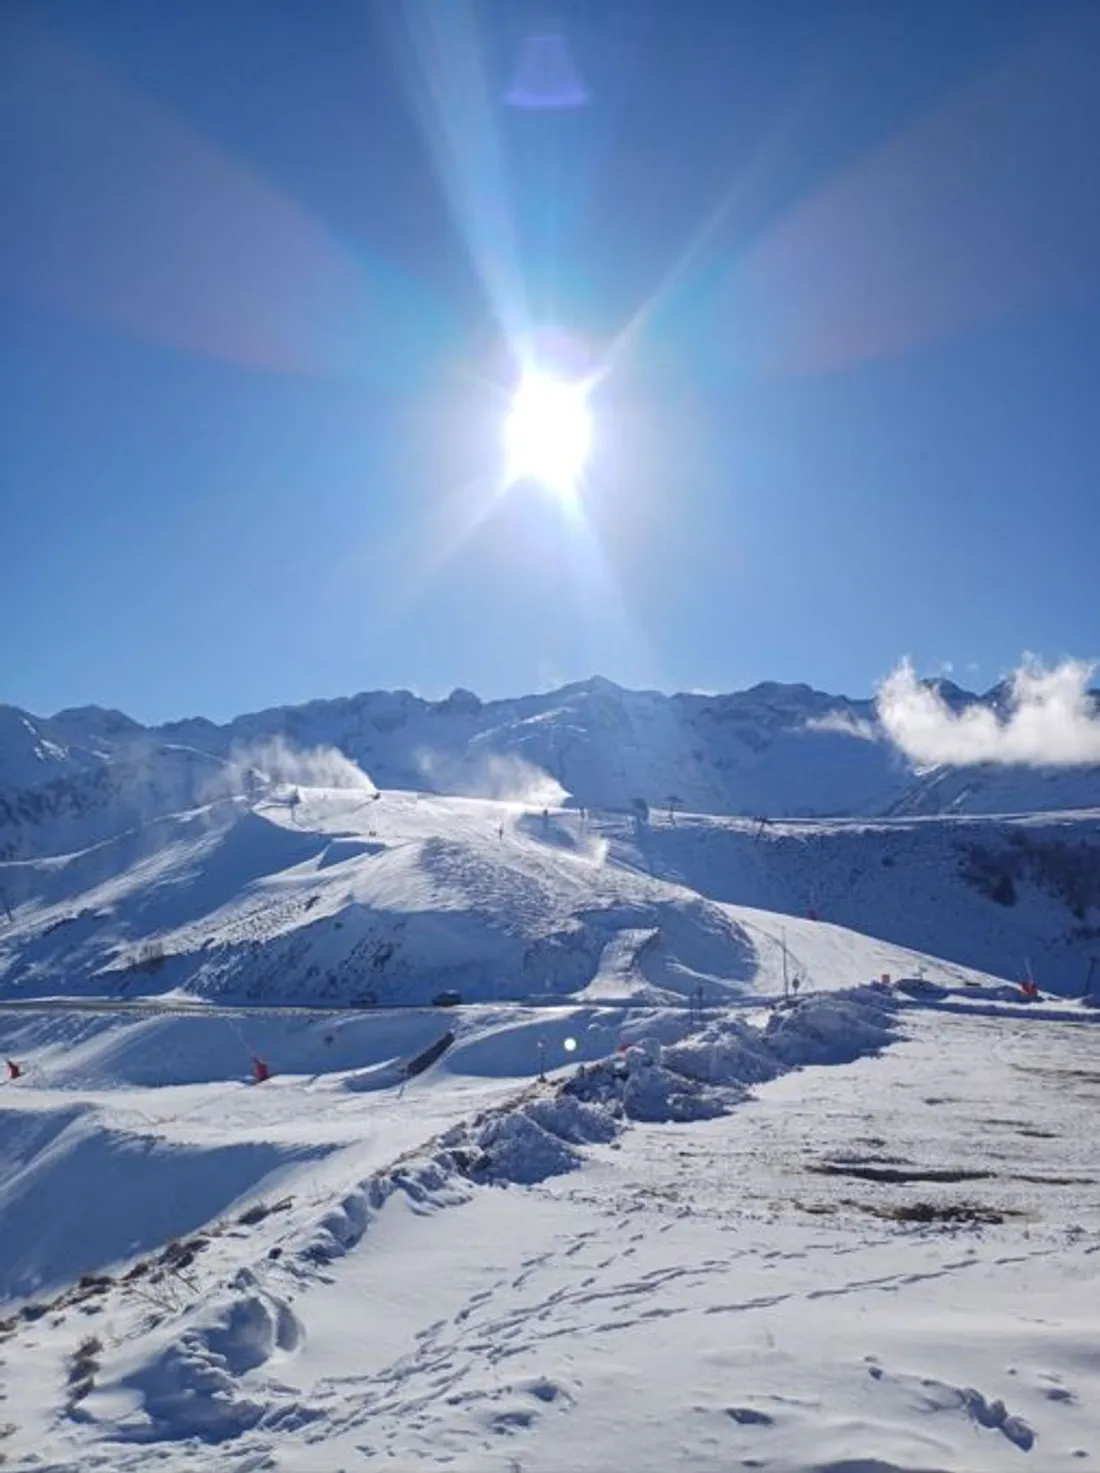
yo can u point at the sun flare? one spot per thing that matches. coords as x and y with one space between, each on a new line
548 433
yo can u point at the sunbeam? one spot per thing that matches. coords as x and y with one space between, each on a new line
438 55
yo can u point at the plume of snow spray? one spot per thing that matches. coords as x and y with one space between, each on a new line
844 723
501 776
274 762
1051 720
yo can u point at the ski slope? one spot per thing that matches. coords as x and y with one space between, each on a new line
345 898
680 1182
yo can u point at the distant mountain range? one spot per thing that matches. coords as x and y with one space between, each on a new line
83 775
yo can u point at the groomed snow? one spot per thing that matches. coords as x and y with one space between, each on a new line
342 899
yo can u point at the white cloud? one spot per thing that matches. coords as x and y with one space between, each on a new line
1051 720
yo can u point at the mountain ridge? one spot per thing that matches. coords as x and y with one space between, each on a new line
779 749
595 683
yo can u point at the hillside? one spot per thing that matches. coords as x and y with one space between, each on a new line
341 897
1004 895
338 899
602 1208
854 1233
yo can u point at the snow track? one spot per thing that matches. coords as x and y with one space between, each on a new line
872 1251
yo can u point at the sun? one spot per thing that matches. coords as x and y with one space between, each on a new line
548 433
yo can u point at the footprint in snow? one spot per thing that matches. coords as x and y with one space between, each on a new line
940 1396
749 1417
512 1421
545 1390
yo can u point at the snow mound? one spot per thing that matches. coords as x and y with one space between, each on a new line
538 1139
191 1388
205 1377
832 1028
727 1051
544 1133
638 1086
706 1074
427 1183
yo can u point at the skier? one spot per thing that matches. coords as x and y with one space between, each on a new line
15 1071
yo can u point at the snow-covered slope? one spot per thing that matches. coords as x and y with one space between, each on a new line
68 783
766 1209
1006 895
851 1235
73 779
992 789
346 897
403 1245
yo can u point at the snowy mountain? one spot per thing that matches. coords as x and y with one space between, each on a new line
258 861
777 750
993 789
734 1141
332 895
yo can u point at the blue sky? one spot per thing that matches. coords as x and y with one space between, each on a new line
264 271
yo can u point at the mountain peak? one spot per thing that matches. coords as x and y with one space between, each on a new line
598 685
460 702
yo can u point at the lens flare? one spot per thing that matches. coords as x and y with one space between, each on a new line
546 76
